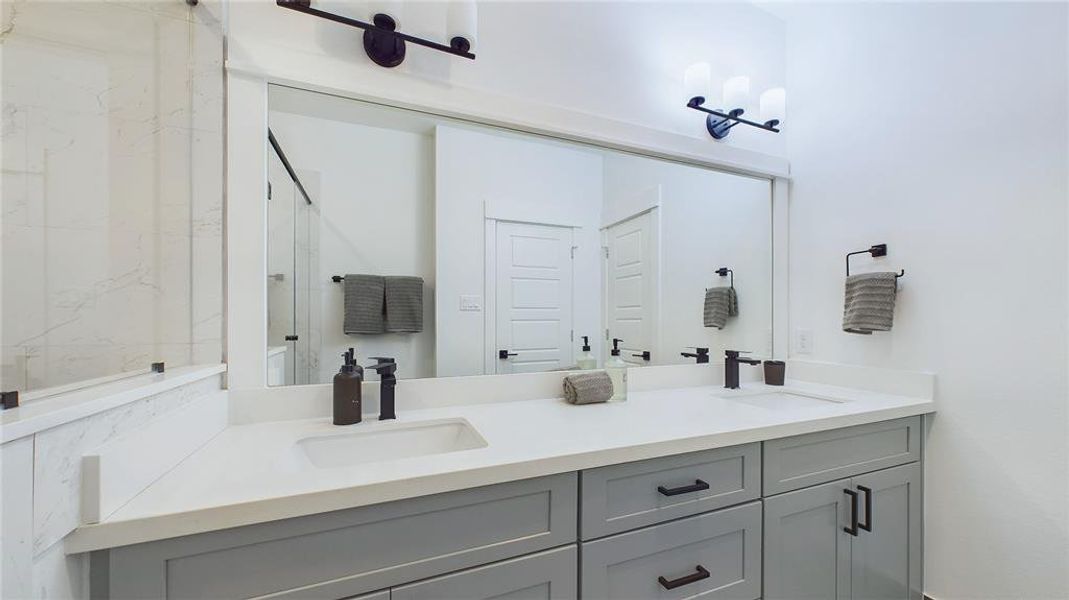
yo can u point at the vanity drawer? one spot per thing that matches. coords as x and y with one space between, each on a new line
804 460
350 552
551 575
632 495
711 556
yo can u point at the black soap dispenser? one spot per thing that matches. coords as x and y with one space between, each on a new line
348 384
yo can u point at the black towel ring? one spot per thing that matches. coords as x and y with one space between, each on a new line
874 251
724 272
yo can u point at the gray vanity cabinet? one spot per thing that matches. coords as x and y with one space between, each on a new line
886 563
809 554
716 555
548 575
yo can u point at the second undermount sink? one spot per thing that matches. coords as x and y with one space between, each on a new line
380 442
783 400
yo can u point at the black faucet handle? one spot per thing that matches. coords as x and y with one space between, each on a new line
385 366
735 353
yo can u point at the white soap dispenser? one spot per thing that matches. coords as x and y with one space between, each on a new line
616 367
587 360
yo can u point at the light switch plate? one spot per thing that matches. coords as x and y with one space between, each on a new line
471 303
803 341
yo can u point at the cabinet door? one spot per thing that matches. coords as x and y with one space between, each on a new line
807 552
886 562
551 575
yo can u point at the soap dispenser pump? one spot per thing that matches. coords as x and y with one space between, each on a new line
587 360
348 383
616 367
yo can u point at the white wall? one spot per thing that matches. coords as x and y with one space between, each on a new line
481 173
903 132
376 209
709 220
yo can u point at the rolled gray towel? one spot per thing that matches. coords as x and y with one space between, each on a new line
870 302
588 388
718 306
404 304
364 303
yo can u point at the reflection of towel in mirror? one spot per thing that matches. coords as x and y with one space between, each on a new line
404 304
588 388
870 302
720 303
364 303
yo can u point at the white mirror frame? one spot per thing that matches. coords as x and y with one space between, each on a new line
247 153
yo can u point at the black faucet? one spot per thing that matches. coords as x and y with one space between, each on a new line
387 369
701 355
731 367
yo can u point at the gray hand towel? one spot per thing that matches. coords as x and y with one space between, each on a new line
364 303
588 388
870 302
404 304
720 303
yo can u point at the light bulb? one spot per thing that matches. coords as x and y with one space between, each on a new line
696 81
774 105
736 93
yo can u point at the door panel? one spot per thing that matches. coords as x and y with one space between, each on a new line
533 280
807 553
885 563
631 284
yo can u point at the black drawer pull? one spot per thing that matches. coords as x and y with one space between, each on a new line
867 525
852 529
692 578
698 486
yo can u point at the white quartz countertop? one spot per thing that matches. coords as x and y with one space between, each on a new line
257 473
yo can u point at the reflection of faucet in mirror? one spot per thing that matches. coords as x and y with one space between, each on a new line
731 367
700 355
387 368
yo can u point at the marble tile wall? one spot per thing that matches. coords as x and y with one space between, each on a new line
111 184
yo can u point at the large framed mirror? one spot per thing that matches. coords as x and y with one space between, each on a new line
460 249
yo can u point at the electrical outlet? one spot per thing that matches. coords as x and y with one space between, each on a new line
471 303
803 341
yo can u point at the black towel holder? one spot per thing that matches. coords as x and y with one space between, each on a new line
724 272
337 278
875 251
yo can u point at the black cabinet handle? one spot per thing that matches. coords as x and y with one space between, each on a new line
702 573
505 354
698 486
291 338
852 529
867 525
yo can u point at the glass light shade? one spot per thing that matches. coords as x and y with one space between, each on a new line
462 20
774 105
392 8
736 93
696 81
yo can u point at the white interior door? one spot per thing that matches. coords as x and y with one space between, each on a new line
630 286
533 297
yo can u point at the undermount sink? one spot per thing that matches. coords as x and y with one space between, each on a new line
783 400
381 442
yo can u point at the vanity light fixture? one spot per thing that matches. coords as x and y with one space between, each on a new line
736 94
385 46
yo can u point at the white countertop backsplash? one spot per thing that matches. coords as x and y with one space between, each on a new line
254 472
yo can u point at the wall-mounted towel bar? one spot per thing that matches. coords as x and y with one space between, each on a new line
724 272
874 251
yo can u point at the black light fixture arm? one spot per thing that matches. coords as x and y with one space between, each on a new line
719 122
382 42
